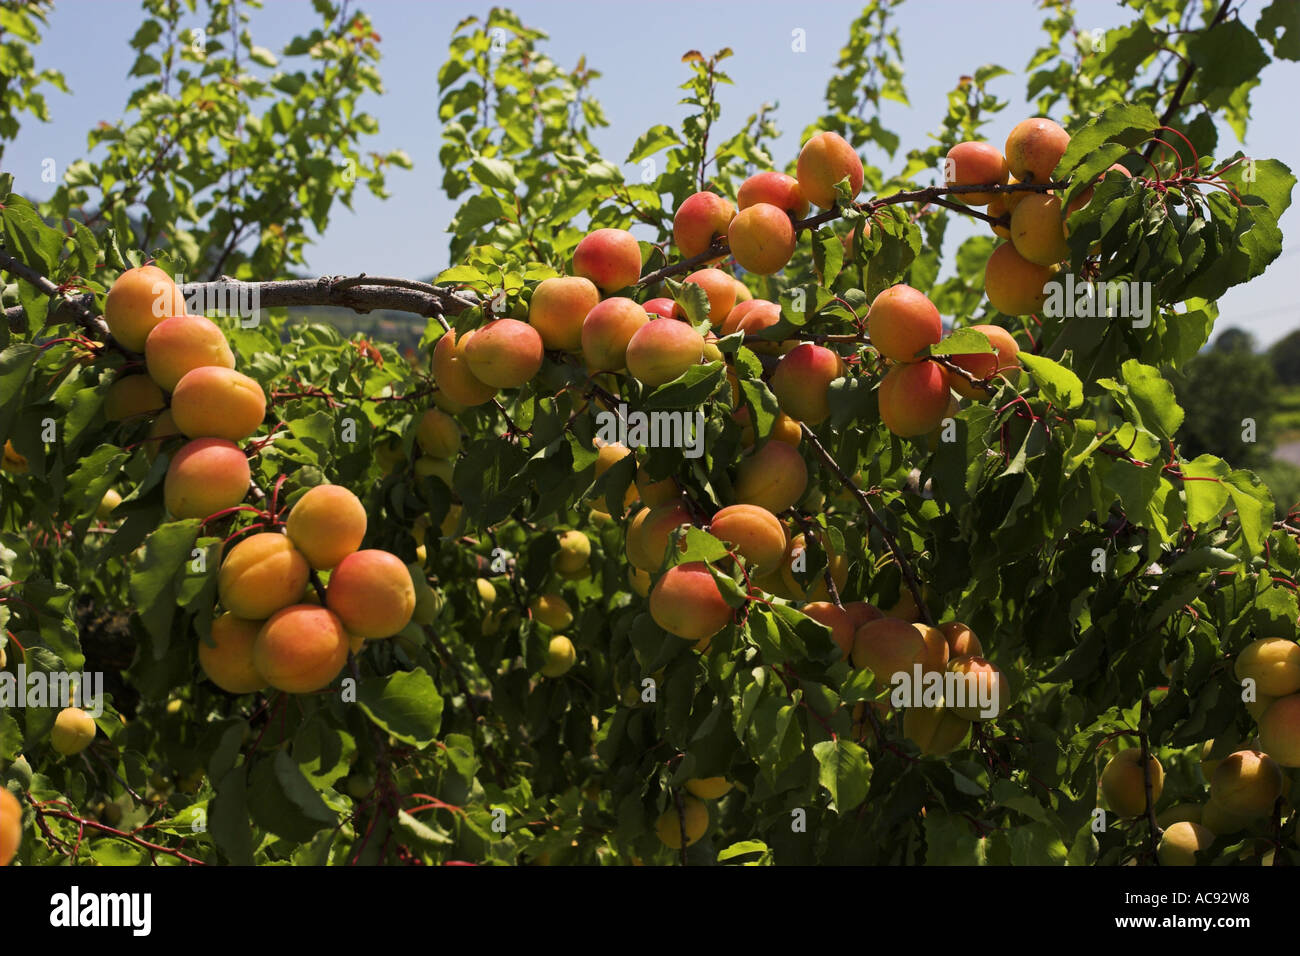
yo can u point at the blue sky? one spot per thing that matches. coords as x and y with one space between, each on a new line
637 46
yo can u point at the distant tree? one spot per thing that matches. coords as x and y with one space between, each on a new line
1285 356
1222 390
1234 340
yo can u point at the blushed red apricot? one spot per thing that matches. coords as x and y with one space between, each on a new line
205 476
505 353
756 534
663 350
663 307
802 382
838 620
974 164
762 239
607 330
301 648
826 159
215 402
775 188
610 258
860 613
984 365
650 531
720 289
261 574
327 524
914 398
984 682
902 322
774 477
181 343
888 646
1034 148
686 601
452 372
701 218
558 307
372 594
228 660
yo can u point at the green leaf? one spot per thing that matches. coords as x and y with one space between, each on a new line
406 705
1058 384
845 772
280 799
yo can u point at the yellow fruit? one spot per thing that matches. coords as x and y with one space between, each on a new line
551 610
561 655
72 732
669 827
1123 785
1180 842
708 788
1273 663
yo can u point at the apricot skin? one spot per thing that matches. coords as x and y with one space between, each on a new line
137 301
754 532
802 382
607 330
902 322
505 353
1246 783
1123 785
984 365
215 402
686 601
819 591
11 826
73 731
824 160
301 648
610 258
371 592
558 307
989 684
1181 841
774 477
205 476
699 220
663 350
1013 284
1038 231
1279 730
327 524
181 343
649 534
228 660
762 239
1034 148
1273 663
914 398
936 730
452 372
776 188
888 646
669 825
975 164
720 289
962 641
437 434
261 574
838 620
130 396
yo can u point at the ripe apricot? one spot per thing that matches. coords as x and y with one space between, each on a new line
301 648
73 731
686 601
662 307
371 592
708 788
984 365
775 188
762 239
1273 663
215 402
802 382
701 218
936 730
205 476
1123 785
669 827
754 532
574 553
826 159
974 164
914 398
452 372
983 683
860 613
649 534
1013 284
130 396
720 289
11 826
818 591
838 620
228 660
261 574
962 641
181 343
610 258
561 655
607 330
505 353
773 476
888 646
137 301
653 492
1279 730
1246 783
1034 148
558 307
551 610
1038 231
784 428
326 525
1181 841
902 322
663 350
437 434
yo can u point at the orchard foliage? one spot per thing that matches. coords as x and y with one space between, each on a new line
543 705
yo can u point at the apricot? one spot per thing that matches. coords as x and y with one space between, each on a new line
558 307
551 610
1279 730
1123 785
752 318
1190 812
649 534
902 322
560 656
998 207
839 568
906 608
1246 783
802 382
371 593
228 660
437 434
1013 284
720 289
107 505
784 428
663 350
181 343
984 365
974 164
982 681
1034 149
839 622
13 461
137 301
669 829
701 218
130 396
260 575
505 353
11 826
452 372
708 788
664 308
574 553
607 330
773 476
205 476
326 525
215 402
887 647
639 581
962 641
860 613
936 730
302 648
653 492
1273 663
826 159
686 601
1181 841
774 188
1038 231
754 532
73 731
610 258
914 398
762 239
1219 821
